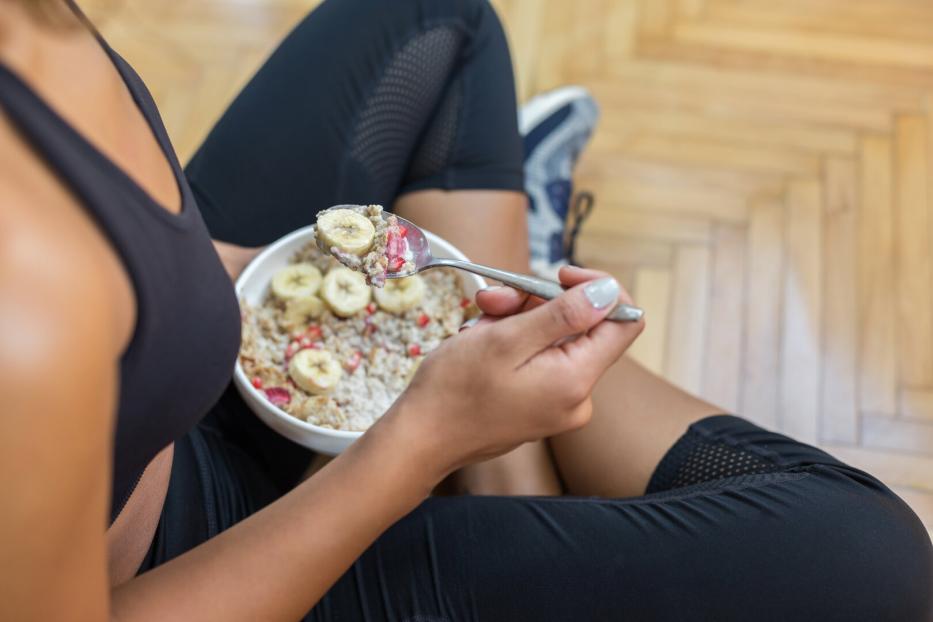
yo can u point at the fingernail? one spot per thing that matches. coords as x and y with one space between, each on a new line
469 323
602 292
491 288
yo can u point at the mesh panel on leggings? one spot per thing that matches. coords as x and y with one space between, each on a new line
435 149
401 104
695 459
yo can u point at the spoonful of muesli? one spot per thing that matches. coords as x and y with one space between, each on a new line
385 246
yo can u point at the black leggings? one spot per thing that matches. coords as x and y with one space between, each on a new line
368 99
364 101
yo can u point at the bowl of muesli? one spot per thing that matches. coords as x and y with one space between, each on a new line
324 354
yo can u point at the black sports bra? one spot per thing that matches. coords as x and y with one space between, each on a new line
187 332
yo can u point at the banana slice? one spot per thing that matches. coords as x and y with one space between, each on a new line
400 295
345 291
300 311
315 371
346 231
298 280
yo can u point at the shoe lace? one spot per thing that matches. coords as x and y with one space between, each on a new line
580 208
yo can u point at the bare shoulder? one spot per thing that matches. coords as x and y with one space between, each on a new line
56 285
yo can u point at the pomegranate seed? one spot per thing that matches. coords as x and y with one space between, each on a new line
291 349
370 329
305 342
371 308
353 362
423 320
465 302
396 263
402 230
278 396
256 382
414 349
314 332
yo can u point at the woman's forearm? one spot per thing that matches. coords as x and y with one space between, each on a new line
234 258
278 563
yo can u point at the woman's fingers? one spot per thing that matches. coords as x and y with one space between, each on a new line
501 301
574 275
574 312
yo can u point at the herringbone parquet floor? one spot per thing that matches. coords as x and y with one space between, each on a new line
763 176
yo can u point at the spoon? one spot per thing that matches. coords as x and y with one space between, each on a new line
422 259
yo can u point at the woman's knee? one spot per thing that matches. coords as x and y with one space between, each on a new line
874 558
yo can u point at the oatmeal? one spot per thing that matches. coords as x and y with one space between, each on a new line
335 352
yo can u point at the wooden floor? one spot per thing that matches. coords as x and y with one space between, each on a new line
763 175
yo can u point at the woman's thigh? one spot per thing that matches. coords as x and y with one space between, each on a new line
363 100
798 537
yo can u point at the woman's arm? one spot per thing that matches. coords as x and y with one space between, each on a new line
276 564
480 394
234 258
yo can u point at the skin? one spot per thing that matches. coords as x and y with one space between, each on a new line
66 314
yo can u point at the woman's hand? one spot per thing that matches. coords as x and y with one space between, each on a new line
525 375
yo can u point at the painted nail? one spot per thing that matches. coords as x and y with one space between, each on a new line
469 323
602 292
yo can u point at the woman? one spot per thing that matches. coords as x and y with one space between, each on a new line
118 329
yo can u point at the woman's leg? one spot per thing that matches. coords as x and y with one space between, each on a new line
741 524
364 101
490 227
637 417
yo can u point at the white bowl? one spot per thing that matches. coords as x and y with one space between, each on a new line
252 287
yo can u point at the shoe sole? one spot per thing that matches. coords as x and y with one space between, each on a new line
542 106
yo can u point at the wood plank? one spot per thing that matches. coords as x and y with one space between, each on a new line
764 293
594 247
653 292
772 133
611 218
877 341
722 154
524 18
900 434
667 197
550 69
891 467
686 345
761 108
803 303
834 47
655 16
916 404
749 85
858 18
620 23
839 408
611 164
723 368
913 253
587 31
690 9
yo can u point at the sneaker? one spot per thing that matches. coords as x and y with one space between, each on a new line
555 127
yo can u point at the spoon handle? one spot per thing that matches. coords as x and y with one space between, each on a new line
539 287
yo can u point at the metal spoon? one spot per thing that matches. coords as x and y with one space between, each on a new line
543 288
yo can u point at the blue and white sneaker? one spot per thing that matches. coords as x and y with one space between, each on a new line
555 127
